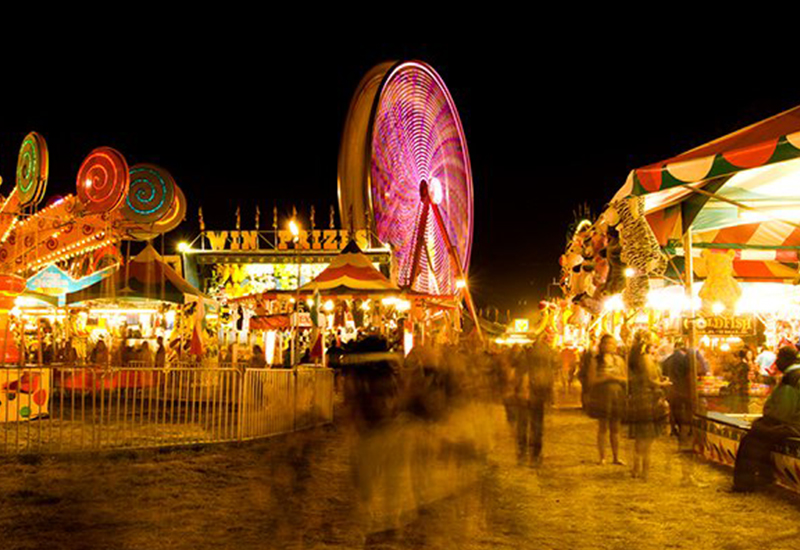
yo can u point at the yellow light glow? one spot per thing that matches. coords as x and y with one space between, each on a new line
408 342
365 305
521 325
310 302
402 305
183 247
630 272
328 306
294 229
461 283
717 308
270 346
614 303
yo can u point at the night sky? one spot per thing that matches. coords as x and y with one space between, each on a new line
244 119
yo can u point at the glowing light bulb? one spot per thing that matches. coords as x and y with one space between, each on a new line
630 272
717 308
435 188
328 306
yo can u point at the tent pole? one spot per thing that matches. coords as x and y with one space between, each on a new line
689 282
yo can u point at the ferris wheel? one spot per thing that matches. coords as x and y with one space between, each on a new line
404 173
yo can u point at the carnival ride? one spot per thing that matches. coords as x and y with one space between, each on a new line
113 202
405 178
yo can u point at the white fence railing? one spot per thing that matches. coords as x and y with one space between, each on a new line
69 409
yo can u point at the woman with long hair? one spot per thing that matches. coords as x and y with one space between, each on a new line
607 381
644 413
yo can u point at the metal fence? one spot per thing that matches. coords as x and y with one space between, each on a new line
67 409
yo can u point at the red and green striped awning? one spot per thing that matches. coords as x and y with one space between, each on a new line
767 142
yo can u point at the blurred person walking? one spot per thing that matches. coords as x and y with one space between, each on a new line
583 373
646 412
676 367
533 391
606 401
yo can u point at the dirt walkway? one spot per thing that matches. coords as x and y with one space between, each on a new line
297 492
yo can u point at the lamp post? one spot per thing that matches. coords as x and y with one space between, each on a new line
294 229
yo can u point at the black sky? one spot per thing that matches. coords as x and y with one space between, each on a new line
243 117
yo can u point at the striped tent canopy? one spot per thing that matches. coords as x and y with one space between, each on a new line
739 192
351 272
146 277
767 142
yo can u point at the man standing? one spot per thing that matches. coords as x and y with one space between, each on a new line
781 420
161 353
676 367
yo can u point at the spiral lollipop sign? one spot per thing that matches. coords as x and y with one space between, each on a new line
151 194
114 202
103 180
32 169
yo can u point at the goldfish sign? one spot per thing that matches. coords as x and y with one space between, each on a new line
719 325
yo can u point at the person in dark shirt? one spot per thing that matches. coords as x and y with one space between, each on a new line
738 376
161 353
781 420
676 367
533 391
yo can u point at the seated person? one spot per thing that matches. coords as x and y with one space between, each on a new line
781 420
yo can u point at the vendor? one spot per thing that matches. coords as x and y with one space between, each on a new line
781 421
737 373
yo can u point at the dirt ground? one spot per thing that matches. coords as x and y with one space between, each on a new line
297 491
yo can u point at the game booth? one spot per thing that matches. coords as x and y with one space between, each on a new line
704 245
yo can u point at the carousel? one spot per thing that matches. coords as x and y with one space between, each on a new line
72 242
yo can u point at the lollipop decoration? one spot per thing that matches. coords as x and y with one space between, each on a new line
171 220
175 215
151 194
32 169
103 180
